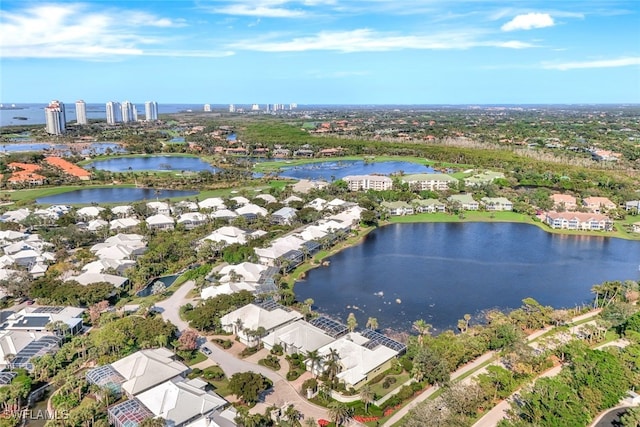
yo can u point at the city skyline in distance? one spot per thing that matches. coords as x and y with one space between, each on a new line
377 52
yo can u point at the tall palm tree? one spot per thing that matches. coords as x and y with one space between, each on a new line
339 413
293 416
366 396
314 359
332 363
352 323
372 323
423 329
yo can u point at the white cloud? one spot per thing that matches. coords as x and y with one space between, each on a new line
603 63
79 32
529 21
260 11
366 40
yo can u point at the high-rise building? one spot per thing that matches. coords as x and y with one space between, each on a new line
55 118
135 113
207 107
127 112
150 111
81 112
232 108
113 112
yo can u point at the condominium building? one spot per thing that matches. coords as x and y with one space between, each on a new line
368 182
207 108
81 112
128 112
430 181
151 110
55 118
232 108
113 112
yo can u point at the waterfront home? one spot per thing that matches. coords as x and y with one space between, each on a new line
124 224
496 204
102 265
122 211
191 220
285 215
398 208
368 182
304 186
635 227
598 204
69 168
299 337
89 212
161 208
361 357
229 235
578 221
160 222
632 205
186 206
428 205
245 321
212 203
483 178
465 201
225 289
563 202
278 248
240 200
245 271
430 181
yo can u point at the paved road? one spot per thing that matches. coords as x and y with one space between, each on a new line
283 392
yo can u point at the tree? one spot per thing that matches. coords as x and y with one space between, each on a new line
430 366
293 416
314 360
366 396
153 422
188 340
372 323
247 386
352 323
332 363
339 413
631 418
423 329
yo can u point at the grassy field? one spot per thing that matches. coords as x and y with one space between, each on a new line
275 166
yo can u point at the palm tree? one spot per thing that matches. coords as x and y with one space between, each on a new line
366 396
339 413
293 416
310 422
631 418
332 363
423 329
314 359
352 323
372 323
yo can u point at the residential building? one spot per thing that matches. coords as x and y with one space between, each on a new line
207 108
68 168
496 204
598 204
285 215
304 186
578 221
81 112
252 316
483 178
632 205
55 118
151 111
465 201
430 181
428 205
398 208
635 227
299 337
128 110
191 220
114 112
563 202
160 222
368 182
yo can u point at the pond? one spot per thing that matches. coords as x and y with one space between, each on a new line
92 148
332 170
112 195
152 163
440 271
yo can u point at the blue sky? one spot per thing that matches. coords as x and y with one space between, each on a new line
321 51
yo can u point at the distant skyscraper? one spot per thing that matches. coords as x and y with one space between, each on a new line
135 113
255 107
207 107
127 112
232 108
113 112
293 106
55 118
151 110
81 112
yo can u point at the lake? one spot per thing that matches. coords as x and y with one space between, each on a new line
112 195
152 163
440 271
331 170
93 148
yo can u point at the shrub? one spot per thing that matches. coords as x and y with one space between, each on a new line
277 349
388 382
311 383
293 375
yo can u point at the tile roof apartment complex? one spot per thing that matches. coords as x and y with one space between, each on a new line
69 168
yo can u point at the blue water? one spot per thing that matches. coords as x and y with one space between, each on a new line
152 163
94 148
112 195
440 271
332 170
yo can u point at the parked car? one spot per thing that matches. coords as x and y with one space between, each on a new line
206 350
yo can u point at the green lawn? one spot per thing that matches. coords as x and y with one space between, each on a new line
400 380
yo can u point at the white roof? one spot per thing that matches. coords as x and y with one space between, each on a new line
228 234
317 204
96 224
129 239
312 232
6 273
179 400
302 335
357 361
122 210
186 204
17 247
225 289
104 264
159 219
291 199
212 203
223 213
12 235
90 211
145 369
336 202
253 317
250 272
16 215
158 206
252 209
123 223
113 252
90 278
240 200
192 217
